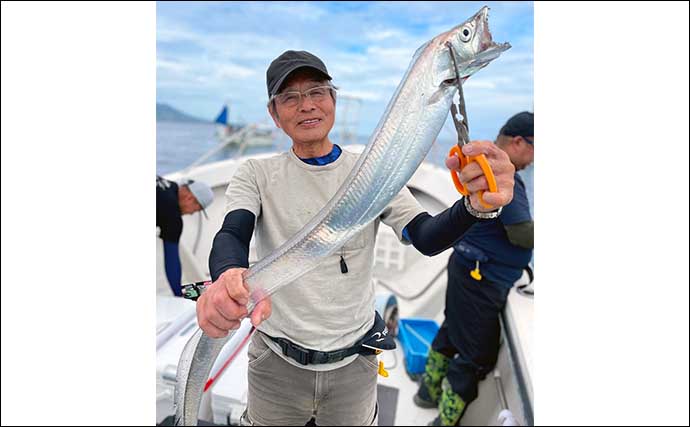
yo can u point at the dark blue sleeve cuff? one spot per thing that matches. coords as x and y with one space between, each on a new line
432 235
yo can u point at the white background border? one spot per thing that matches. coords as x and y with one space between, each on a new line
611 194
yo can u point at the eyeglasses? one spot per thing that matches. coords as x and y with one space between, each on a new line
291 99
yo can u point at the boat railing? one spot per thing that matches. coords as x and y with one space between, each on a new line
239 138
421 292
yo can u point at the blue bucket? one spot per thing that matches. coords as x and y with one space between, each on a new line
416 336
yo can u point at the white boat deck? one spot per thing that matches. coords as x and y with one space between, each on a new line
407 413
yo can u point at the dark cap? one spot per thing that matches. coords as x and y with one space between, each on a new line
288 62
521 124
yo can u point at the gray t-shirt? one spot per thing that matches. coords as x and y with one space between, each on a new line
324 309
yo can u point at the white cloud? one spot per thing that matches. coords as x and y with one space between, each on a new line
479 84
174 66
488 83
398 54
363 95
230 71
167 32
307 11
387 63
500 100
386 81
383 35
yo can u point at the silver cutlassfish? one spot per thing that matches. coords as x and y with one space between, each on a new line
412 121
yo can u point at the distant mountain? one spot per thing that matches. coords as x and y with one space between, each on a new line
166 113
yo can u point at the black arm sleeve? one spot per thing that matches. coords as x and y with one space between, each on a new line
231 244
432 235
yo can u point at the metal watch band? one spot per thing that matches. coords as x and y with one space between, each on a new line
481 215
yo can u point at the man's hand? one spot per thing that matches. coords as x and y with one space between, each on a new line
474 180
224 305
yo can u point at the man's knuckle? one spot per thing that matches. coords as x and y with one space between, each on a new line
231 312
217 299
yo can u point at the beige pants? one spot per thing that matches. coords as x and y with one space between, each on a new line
283 394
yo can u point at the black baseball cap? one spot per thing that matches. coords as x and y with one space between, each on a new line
286 63
521 124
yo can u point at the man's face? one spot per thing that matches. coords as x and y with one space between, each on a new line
520 151
525 150
310 120
188 203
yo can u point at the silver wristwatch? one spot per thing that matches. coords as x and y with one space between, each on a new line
481 215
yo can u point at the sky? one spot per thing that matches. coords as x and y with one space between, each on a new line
209 54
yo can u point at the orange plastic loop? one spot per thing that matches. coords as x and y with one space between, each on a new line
483 164
455 151
490 178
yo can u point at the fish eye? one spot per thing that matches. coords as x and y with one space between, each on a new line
466 34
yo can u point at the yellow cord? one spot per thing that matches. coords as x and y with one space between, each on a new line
382 371
476 275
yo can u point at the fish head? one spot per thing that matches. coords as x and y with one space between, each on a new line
473 48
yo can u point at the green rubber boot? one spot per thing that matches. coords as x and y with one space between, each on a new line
429 392
451 407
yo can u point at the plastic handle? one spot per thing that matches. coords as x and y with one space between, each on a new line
483 164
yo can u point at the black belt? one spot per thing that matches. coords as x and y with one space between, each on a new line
376 339
306 356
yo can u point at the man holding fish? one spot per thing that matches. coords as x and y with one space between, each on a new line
313 355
